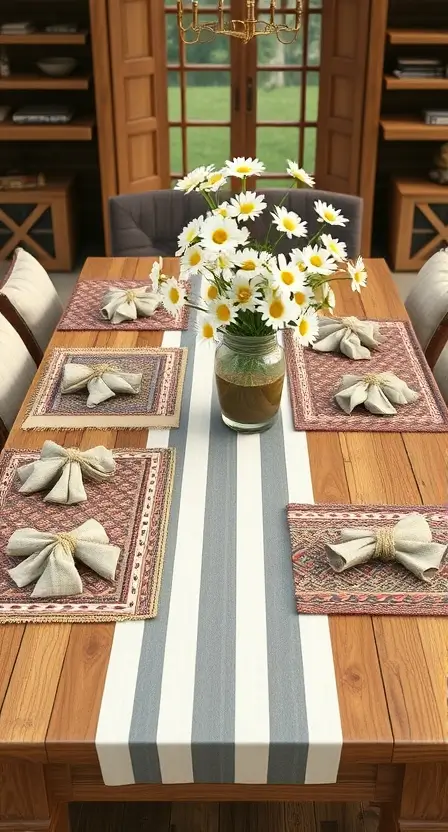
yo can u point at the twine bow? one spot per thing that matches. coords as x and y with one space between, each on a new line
103 381
129 304
50 558
408 543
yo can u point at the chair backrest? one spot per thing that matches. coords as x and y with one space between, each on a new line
441 372
30 302
17 370
148 224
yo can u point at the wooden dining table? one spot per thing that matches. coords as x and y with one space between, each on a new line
391 671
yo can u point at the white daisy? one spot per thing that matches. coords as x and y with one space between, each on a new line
297 257
286 276
276 310
328 297
155 274
247 206
318 260
206 328
335 247
307 328
327 213
222 209
220 234
252 263
189 235
193 179
358 274
173 295
211 292
243 292
222 311
288 222
193 261
241 167
302 297
299 174
214 182
223 265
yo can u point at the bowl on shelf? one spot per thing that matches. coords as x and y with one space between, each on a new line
57 67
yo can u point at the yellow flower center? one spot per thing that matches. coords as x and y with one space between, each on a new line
195 258
191 234
223 313
243 169
220 236
244 294
223 211
289 224
287 278
173 294
212 292
316 260
299 298
216 177
247 208
207 330
276 308
357 277
329 215
248 266
304 326
302 267
334 248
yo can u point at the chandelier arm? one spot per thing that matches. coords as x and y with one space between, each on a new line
245 29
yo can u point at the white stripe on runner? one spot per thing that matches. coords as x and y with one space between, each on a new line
251 660
177 691
112 733
322 704
161 438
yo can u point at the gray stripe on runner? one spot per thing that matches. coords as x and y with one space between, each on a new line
213 731
145 717
288 750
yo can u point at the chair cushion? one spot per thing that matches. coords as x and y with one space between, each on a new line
427 303
17 370
441 373
31 292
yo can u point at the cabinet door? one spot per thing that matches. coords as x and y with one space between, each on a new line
138 64
345 46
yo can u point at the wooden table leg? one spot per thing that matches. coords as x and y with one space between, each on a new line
25 803
423 804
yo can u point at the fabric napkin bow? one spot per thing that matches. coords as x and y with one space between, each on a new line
348 335
128 304
409 542
102 381
378 392
50 558
62 470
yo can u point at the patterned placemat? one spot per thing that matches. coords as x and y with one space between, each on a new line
83 310
375 588
135 519
313 379
157 405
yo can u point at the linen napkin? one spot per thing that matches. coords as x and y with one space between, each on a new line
62 470
377 392
50 558
409 543
102 381
348 335
128 305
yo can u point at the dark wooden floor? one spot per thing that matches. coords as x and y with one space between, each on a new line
222 817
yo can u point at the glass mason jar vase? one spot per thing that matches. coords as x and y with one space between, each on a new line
250 371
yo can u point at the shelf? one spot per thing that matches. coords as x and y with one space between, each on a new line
44 82
45 38
411 128
79 129
419 37
393 83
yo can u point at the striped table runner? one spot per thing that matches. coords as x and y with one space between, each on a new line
228 684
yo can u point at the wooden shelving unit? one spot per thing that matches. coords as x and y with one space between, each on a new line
418 37
411 128
79 129
44 82
45 39
393 83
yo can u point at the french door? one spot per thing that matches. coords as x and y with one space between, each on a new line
226 98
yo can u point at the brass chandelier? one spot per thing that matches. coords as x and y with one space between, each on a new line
245 30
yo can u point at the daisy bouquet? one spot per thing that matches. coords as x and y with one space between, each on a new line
251 289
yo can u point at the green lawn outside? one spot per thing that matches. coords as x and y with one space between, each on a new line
207 145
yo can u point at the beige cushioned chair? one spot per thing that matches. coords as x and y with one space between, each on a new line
30 302
17 370
427 307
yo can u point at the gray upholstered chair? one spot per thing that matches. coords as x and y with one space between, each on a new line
148 224
17 370
427 307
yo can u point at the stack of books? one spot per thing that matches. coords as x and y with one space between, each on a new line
420 68
435 116
23 28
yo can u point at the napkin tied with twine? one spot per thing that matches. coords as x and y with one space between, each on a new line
378 392
62 470
350 336
103 381
129 304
